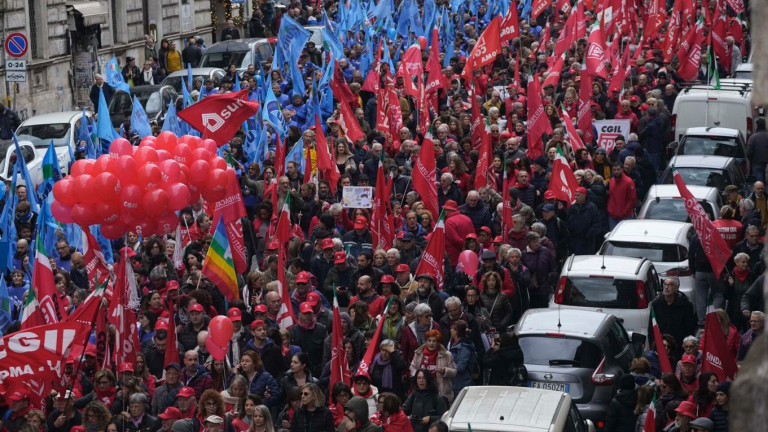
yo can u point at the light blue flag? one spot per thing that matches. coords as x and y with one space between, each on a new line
408 12
6 307
171 123
51 172
449 36
8 241
384 9
114 76
90 149
332 44
21 163
526 13
104 129
185 94
428 21
297 155
139 119
290 36
273 112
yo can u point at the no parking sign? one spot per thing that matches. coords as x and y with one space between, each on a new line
16 45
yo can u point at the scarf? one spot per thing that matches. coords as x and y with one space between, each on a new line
429 361
22 413
391 325
107 397
157 311
148 78
386 374
364 396
741 275
310 326
420 332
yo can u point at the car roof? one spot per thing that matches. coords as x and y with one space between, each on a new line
648 230
586 265
714 131
670 191
506 408
696 161
145 89
52 118
195 71
744 67
574 322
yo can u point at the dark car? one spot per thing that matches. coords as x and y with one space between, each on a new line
713 171
155 100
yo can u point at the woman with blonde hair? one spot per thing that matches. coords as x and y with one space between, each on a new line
36 418
312 415
261 420
435 358
426 220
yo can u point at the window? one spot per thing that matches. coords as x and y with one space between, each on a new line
702 177
712 146
656 252
602 292
546 351
41 135
673 209
36 26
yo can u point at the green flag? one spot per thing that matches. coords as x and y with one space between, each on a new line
712 61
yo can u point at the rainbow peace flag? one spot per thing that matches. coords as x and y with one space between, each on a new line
218 266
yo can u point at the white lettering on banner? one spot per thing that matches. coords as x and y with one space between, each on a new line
714 360
480 49
232 199
567 190
507 31
608 130
28 342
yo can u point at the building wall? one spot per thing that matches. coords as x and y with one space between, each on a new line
50 77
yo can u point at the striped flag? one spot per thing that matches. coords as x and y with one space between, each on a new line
51 172
666 367
650 418
31 315
716 356
339 365
218 265
45 308
283 230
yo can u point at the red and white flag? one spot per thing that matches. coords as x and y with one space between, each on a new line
123 316
563 182
219 118
716 356
283 232
326 165
424 174
650 418
348 122
666 366
538 122
510 27
539 6
46 307
373 346
691 60
595 53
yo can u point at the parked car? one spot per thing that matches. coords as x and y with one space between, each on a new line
32 158
238 52
712 171
63 128
663 202
154 99
624 287
201 73
579 352
508 409
709 141
743 71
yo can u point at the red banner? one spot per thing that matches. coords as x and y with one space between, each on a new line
219 118
595 54
584 117
538 123
98 269
231 208
326 165
432 258
689 63
122 315
716 356
486 50
424 175
348 122
539 6
510 26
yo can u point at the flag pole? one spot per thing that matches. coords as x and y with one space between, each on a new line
706 109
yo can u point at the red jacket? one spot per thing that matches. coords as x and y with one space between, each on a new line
621 197
730 229
457 228
375 308
408 341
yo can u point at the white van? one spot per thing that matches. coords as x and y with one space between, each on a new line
514 409
729 107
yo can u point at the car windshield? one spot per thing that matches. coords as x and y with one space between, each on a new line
152 102
656 252
673 209
41 135
709 177
541 350
712 146
604 292
224 59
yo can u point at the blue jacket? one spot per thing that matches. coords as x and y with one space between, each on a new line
464 357
629 150
584 224
262 382
652 136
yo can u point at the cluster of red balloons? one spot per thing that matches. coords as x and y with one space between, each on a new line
219 334
138 189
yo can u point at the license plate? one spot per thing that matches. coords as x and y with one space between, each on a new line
562 387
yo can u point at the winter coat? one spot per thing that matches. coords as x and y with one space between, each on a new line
479 214
473 331
583 227
188 335
433 300
355 336
262 382
444 360
319 420
499 308
678 319
557 233
357 243
757 147
507 284
311 342
465 358
652 136
288 382
422 403
454 193
359 406
501 361
409 343
457 228
719 417
148 423
598 195
271 357
200 381
753 299
621 412
165 397
621 197
517 239
540 264
398 366
661 408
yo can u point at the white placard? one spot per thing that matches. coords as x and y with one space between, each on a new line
358 196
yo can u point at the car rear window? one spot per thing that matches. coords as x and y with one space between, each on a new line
673 209
541 350
224 59
715 178
603 292
656 252
712 146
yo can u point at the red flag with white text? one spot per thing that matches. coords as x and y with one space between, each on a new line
219 118
486 49
538 122
424 174
432 258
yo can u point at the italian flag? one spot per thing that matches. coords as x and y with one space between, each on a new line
650 418
563 182
283 230
42 306
31 316
666 367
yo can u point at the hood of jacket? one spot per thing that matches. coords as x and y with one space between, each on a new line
359 406
627 398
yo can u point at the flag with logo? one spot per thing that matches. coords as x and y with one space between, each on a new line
424 174
595 55
51 309
326 164
51 172
220 117
716 356
538 122
339 365
373 346
139 119
432 258
486 49
563 182
114 76
283 231
122 314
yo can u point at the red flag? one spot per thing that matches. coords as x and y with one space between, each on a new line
595 55
666 367
565 40
580 29
424 175
650 418
715 248
123 316
432 258
51 308
219 118
476 127
672 38
736 5
563 7
506 213
373 346
563 182
382 119
171 347
339 85
554 73
510 26
326 165
657 14
716 356
719 33
486 50
539 6
382 232
283 232
573 135
484 162
231 208
98 269
373 79
411 68
619 72
395 112
348 122
103 352
339 366
689 64
584 119
538 123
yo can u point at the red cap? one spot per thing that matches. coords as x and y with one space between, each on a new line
197 307
486 229
497 239
471 236
302 277
687 358
388 278
313 298
549 195
402 268
339 257
506 134
235 314
450 205
644 107
161 325
273 245
171 285
171 413
90 350
462 58
581 190
400 235
186 392
362 374
305 308
360 223
326 243
125 367
260 308
634 98
257 323
687 409
129 251
19 395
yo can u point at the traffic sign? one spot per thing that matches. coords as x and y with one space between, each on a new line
16 76
16 45
16 65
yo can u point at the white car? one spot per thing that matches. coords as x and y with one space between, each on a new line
663 202
665 243
620 286
8 159
62 128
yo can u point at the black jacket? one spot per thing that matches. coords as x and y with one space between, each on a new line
454 193
753 299
398 367
583 228
108 93
678 319
422 403
719 417
311 342
188 335
621 416
319 420
757 147
479 214
233 32
192 54
9 122
501 361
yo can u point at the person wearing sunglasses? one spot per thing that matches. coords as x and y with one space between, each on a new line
312 414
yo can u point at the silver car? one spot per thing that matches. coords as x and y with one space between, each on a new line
579 352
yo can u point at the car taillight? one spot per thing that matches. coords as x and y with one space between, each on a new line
677 271
602 379
600 424
749 127
642 300
560 294
555 334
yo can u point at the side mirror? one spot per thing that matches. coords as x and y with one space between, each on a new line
590 425
673 145
638 338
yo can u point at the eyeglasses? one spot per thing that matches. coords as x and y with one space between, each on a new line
306 394
211 404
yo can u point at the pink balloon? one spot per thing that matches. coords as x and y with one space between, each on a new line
166 141
82 166
84 214
209 145
155 202
148 177
148 143
107 212
61 212
104 164
194 193
422 42
107 186
218 352
220 329
164 155
468 262
120 147
194 141
178 196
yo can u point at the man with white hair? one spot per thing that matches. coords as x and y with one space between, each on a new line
476 210
101 84
735 51
756 327
448 191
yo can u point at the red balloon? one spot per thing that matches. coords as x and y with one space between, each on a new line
155 202
168 224
194 141
125 168
183 139
218 163
107 186
104 164
84 214
113 231
63 191
183 154
145 155
468 263
82 166
143 227
194 193
170 171
218 352
209 145
217 180
148 143
107 212
213 196
201 154
164 155
198 172
148 177
166 141
178 196
61 212
220 330
120 147
422 42
83 189
130 198
183 175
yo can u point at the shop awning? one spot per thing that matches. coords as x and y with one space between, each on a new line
93 12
